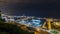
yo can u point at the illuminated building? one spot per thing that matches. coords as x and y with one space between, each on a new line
0 14
36 23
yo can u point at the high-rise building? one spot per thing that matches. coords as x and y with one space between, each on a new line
3 20
0 14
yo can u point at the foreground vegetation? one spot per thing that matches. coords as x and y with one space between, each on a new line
6 28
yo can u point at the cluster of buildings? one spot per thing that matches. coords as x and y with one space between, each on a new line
27 20
32 21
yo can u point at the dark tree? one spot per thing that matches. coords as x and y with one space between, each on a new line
12 29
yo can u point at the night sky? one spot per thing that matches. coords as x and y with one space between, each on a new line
40 8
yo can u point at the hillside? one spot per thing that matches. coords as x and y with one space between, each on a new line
6 28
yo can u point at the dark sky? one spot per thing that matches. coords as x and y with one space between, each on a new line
40 8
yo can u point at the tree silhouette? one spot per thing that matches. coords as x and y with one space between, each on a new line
11 29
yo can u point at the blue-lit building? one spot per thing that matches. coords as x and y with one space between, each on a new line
32 22
36 23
